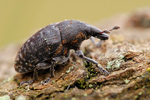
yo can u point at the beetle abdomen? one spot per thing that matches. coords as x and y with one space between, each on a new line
40 47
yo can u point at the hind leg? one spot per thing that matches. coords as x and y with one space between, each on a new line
57 60
35 75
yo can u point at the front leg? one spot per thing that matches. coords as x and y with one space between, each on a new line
80 54
96 44
57 60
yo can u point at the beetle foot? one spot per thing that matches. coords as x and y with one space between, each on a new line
45 81
27 82
102 70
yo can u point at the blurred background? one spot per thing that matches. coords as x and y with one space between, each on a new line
19 19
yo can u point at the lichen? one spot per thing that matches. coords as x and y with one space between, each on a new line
115 64
7 80
21 97
5 97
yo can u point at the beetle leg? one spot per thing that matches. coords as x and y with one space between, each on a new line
52 71
80 54
93 41
57 60
51 74
46 66
27 82
60 60
99 43
43 65
35 75
96 44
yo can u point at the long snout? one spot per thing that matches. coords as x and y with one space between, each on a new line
103 36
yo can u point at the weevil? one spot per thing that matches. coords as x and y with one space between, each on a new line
51 45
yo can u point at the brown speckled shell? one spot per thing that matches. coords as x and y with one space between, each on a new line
40 47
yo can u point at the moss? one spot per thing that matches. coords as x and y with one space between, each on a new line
81 84
91 72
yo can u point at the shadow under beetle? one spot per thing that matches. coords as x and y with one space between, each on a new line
51 46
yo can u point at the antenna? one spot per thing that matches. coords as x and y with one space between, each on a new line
108 31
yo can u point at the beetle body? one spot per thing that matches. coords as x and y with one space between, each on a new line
38 48
53 43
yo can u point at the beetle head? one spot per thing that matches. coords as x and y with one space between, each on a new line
99 34
103 35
